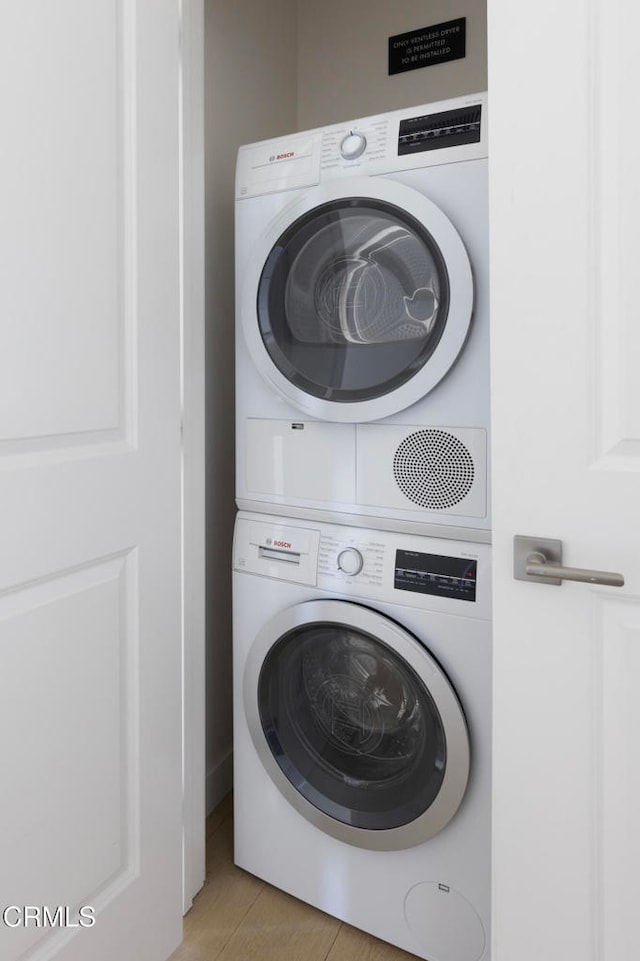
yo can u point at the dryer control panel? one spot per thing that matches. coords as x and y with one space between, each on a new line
427 135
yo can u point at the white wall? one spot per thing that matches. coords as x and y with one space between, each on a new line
342 51
250 94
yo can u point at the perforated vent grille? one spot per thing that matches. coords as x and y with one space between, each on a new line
433 469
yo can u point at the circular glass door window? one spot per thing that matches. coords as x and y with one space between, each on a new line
353 299
352 726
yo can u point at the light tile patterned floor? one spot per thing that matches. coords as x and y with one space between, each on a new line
236 917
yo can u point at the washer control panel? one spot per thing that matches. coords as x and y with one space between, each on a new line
413 570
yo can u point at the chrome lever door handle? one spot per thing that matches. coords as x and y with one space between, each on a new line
539 559
538 565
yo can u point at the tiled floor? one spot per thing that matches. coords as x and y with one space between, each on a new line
236 917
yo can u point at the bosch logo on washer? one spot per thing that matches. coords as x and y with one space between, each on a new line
282 543
270 542
282 156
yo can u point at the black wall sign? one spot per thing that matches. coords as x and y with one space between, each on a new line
428 46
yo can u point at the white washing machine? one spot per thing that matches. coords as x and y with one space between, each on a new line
362 321
362 727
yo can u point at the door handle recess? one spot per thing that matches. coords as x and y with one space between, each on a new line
539 559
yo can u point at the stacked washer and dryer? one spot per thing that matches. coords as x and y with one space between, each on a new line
361 560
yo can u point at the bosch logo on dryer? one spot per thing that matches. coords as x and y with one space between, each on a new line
271 543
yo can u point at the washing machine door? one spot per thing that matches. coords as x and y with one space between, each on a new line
357 299
356 724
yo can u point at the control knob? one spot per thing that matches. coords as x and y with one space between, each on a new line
353 145
350 561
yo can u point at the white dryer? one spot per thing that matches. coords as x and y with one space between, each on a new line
362 727
362 320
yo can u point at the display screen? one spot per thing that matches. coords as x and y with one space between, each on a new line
436 574
451 128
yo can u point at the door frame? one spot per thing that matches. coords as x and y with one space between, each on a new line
192 216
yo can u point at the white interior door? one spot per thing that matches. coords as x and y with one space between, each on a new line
564 147
90 629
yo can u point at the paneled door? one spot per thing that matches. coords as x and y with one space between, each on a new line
564 160
90 450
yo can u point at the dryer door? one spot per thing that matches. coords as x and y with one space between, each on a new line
357 300
356 724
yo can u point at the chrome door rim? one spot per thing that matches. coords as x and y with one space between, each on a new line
456 775
461 295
